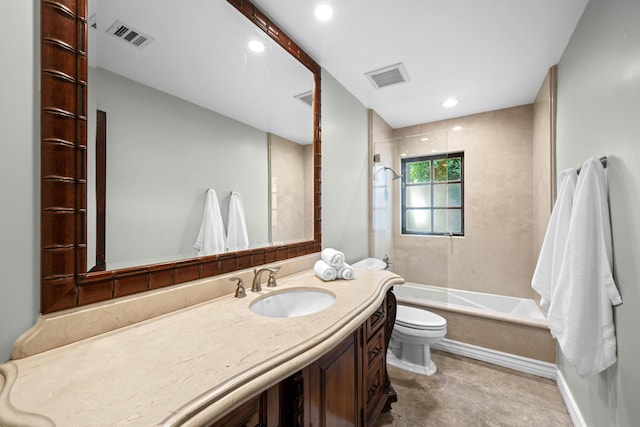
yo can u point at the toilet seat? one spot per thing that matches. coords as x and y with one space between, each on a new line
416 318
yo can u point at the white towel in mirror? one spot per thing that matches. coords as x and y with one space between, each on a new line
211 238
237 237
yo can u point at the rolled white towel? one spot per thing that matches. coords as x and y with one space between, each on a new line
346 272
325 271
332 257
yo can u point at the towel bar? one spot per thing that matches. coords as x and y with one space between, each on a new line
603 160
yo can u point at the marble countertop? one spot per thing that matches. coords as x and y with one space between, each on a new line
184 367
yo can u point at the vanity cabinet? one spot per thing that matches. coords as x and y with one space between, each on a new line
374 371
326 369
261 411
249 414
331 388
347 386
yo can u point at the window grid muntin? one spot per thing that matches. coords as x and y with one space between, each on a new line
431 184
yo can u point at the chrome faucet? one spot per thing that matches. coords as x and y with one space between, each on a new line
271 282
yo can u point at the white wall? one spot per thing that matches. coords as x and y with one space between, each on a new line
345 184
598 111
19 172
163 153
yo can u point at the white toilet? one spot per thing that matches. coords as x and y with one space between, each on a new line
414 331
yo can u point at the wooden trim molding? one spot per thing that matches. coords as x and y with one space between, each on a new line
101 191
256 16
65 282
63 151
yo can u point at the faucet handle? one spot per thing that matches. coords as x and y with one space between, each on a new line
240 293
271 282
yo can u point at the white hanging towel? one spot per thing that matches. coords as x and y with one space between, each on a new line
547 269
237 237
211 239
580 314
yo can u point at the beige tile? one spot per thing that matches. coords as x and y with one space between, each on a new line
523 340
466 392
291 174
496 253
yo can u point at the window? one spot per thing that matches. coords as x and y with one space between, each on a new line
433 195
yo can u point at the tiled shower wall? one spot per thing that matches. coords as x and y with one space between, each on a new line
291 175
496 253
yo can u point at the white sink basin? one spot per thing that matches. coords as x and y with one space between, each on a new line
292 303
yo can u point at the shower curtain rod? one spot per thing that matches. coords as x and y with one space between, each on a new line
603 160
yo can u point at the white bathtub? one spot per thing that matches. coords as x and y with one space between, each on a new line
503 330
518 310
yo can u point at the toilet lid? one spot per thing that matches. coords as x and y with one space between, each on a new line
417 318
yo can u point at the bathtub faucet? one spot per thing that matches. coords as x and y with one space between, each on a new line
386 260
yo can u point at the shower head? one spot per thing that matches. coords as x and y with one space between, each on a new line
396 175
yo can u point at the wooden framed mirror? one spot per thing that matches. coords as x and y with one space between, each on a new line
65 281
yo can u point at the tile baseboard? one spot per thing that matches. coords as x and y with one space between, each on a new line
511 361
569 402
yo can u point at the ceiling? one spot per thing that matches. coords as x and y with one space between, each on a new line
488 54
199 53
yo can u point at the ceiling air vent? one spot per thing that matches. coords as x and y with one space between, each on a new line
388 76
306 97
129 35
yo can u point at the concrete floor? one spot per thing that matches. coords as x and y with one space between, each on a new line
466 392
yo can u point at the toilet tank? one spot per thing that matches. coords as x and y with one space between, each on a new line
371 264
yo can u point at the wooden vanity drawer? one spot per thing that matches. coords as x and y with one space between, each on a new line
374 348
374 387
376 320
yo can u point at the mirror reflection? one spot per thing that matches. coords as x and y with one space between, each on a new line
191 108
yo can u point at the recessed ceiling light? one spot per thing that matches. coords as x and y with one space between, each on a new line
323 12
256 46
457 128
448 103
424 139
